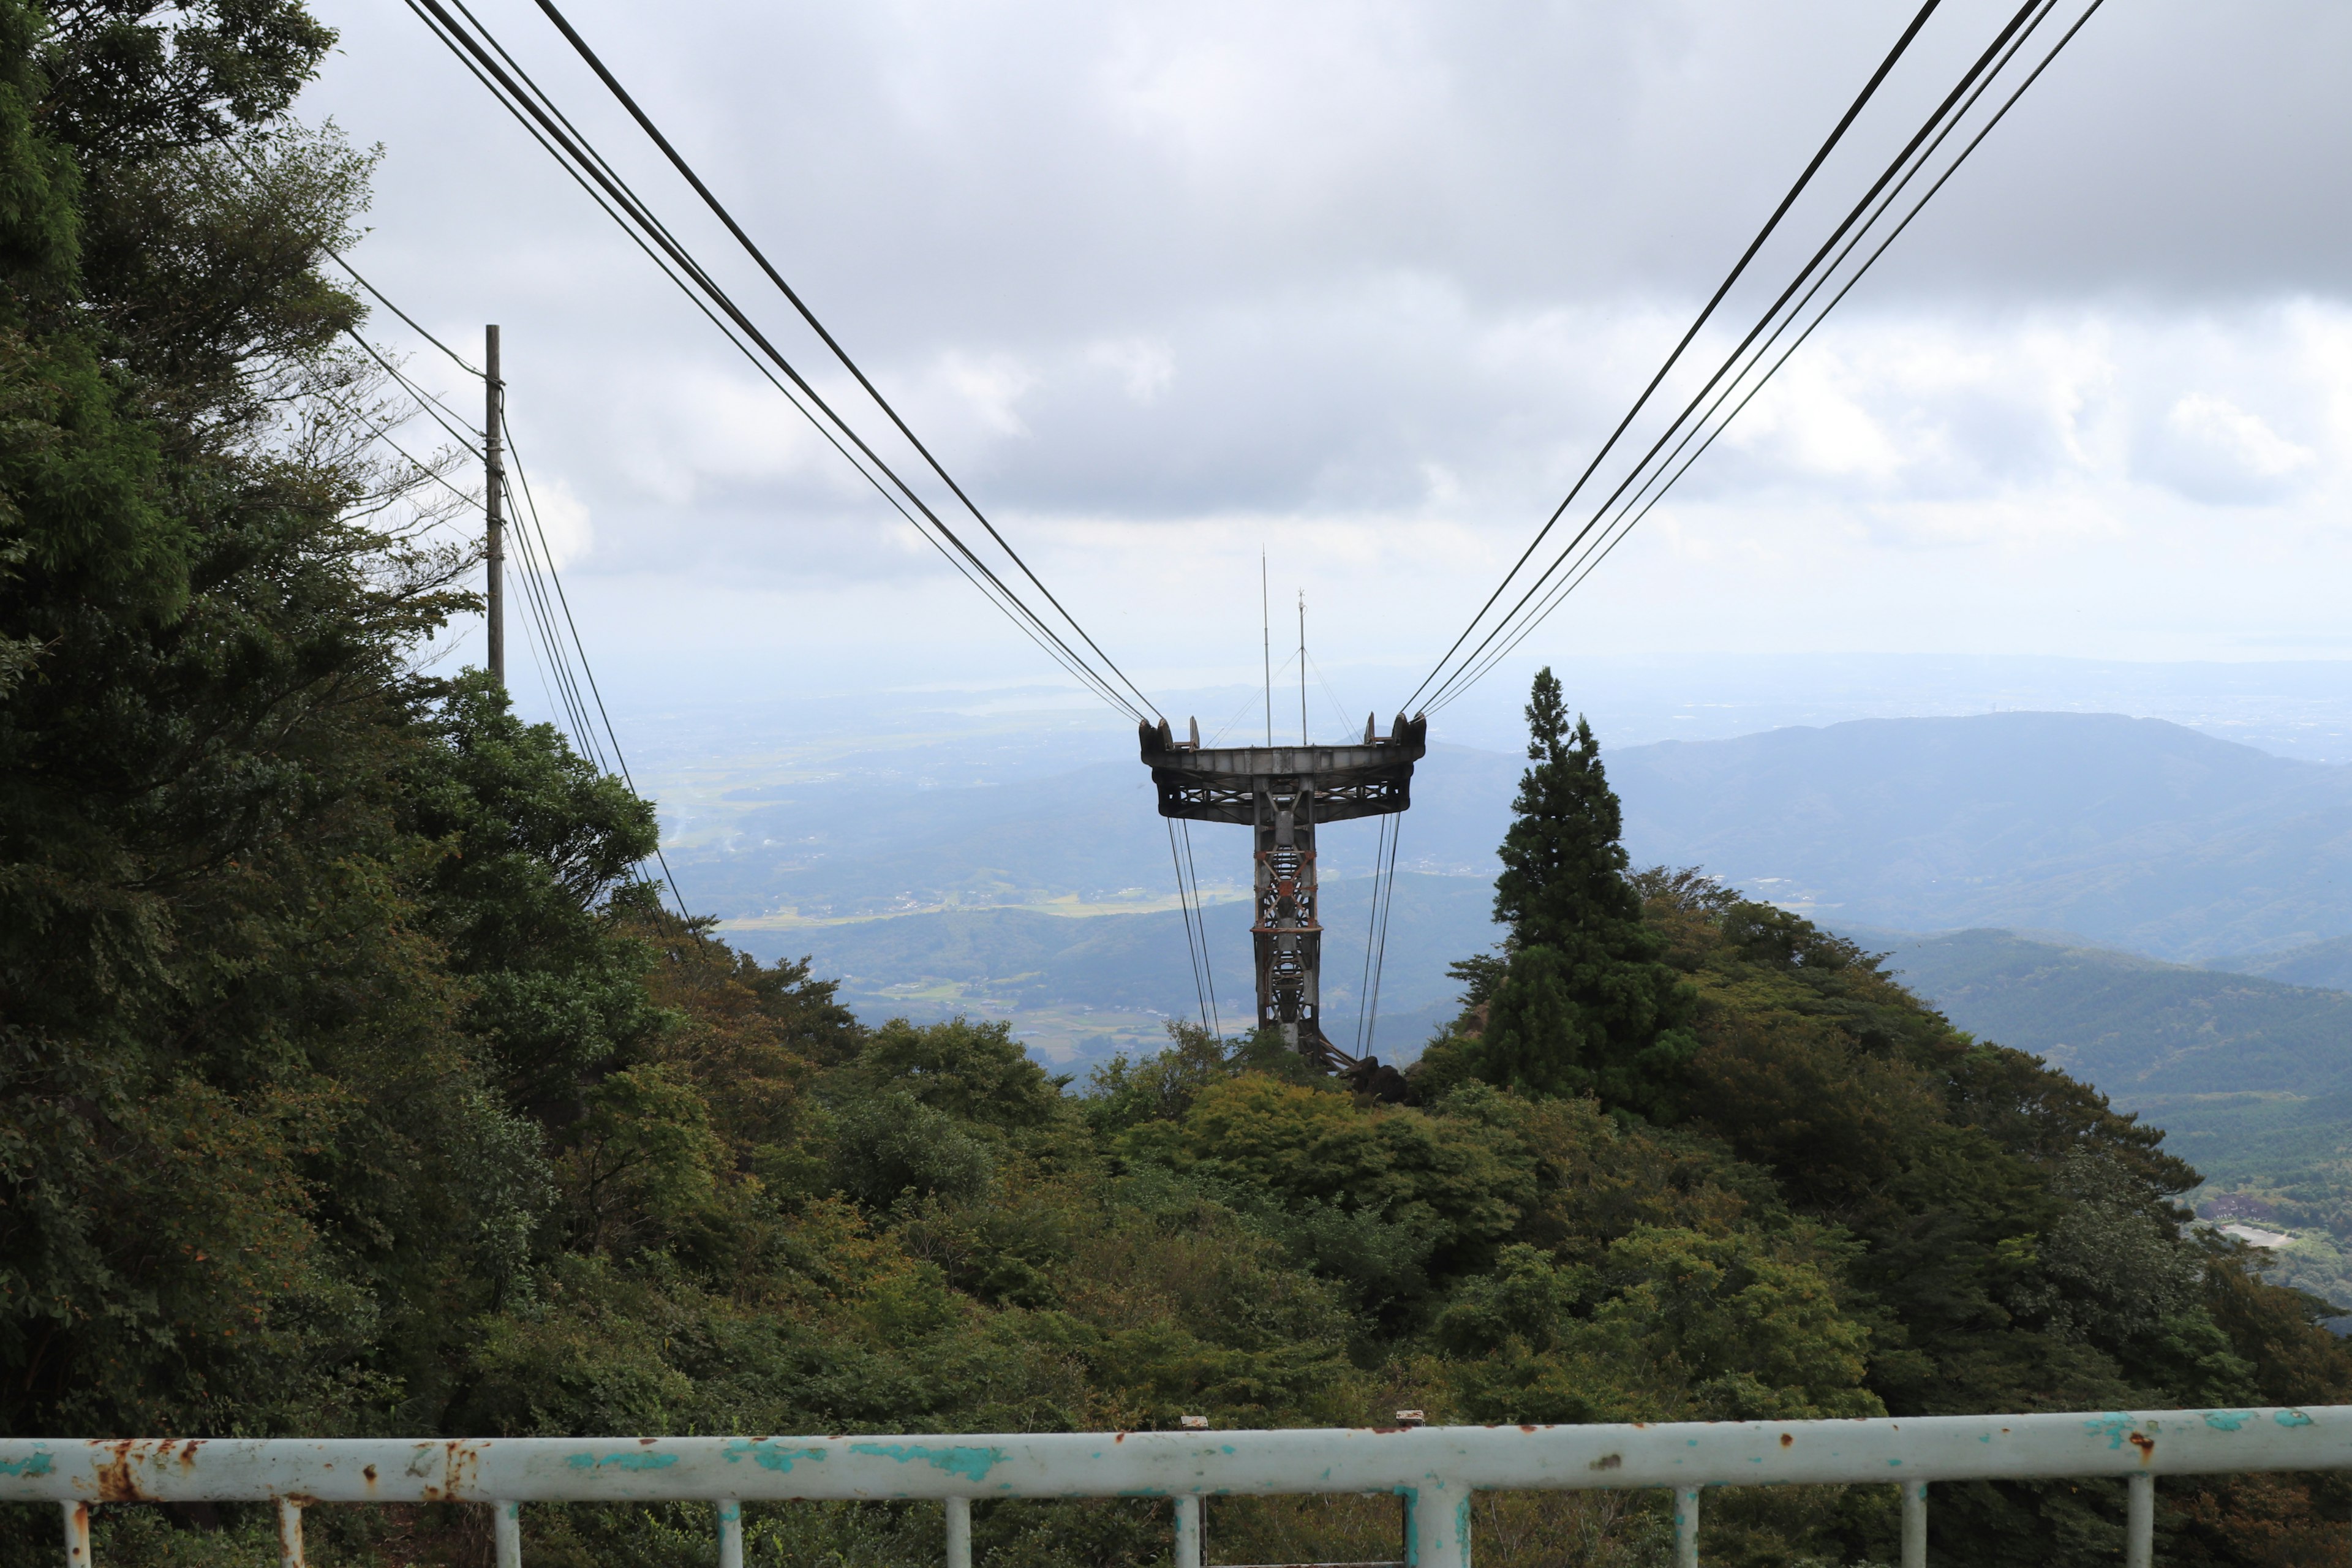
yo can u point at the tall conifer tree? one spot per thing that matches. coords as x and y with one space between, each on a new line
1586 1006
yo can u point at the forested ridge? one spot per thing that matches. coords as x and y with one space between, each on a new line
351 1083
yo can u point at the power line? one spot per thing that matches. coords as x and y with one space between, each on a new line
541 612
530 506
385 301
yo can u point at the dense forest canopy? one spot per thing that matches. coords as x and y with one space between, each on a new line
355 1084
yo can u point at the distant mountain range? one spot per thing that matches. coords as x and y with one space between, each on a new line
2133 833
2128 833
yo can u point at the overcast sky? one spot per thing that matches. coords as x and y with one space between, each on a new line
1364 285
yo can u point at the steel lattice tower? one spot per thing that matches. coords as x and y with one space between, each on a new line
1284 793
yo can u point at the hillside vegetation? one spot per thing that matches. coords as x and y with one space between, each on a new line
352 1085
2251 1078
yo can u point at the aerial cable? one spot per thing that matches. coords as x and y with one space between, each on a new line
542 611
573 159
455 423
1636 506
1836 134
1901 158
1630 519
662 266
1208 972
532 506
1927 128
540 617
578 159
1184 908
711 200
466 436
1371 929
1387 897
548 655
387 304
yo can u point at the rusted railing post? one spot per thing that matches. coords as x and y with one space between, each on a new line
1188 1532
1914 1524
77 1534
731 1532
289 1534
1685 1526
958 1532
506 1530
2139 1521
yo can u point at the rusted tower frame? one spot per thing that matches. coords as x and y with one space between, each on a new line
1284 793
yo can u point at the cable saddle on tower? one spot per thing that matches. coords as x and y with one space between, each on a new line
1284 793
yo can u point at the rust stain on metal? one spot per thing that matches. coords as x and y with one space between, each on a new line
188 1452
115 1481
1530 1430
463 1466
2146 1444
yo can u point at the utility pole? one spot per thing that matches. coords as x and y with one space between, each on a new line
494 484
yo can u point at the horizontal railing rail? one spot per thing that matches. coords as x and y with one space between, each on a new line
1434 1469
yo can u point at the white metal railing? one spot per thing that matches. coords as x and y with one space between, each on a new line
1435 1469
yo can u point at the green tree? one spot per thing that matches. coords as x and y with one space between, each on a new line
1584 1004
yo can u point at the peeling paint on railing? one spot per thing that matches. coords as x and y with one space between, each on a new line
1435 1468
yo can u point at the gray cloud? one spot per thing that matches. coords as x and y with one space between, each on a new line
1369 281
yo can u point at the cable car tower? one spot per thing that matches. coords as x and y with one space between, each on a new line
1283 793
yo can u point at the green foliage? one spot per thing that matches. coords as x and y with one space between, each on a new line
349 1083
1582 1004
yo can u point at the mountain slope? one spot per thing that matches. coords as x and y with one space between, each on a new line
2146 1033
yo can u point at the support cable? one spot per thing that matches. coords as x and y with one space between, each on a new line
1371 930
1629 518
685 264
1935 119
686 170
578 159
1201 908
1837 134
1380 963
523 110
1184 907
